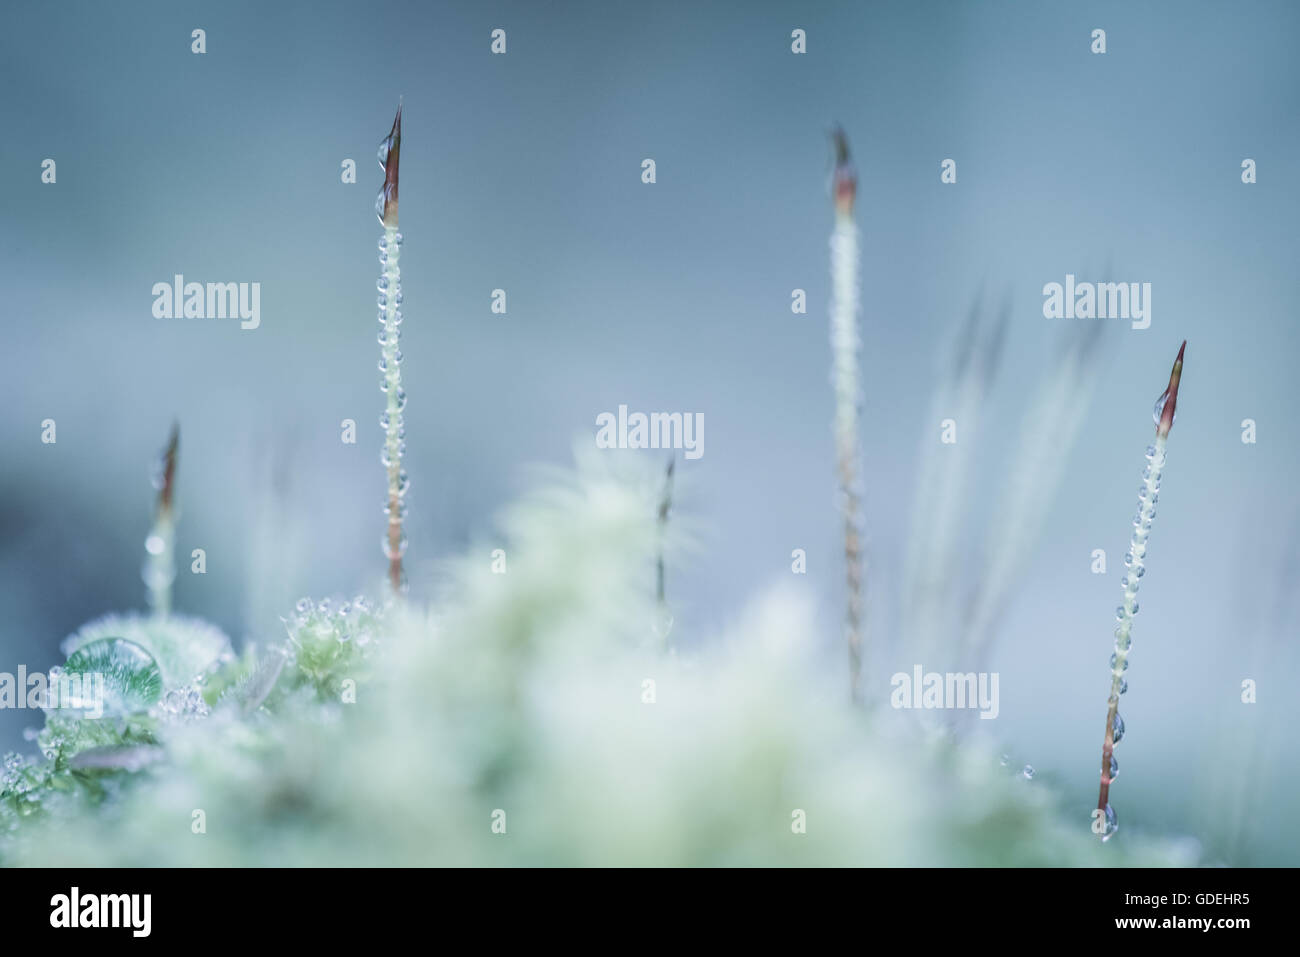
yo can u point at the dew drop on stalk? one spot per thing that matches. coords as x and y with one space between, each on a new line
663 623
1112 824
1160 408
1114 767
1027 772
1117 729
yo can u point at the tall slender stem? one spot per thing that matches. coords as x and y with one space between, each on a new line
390 317
1135 560
160 544
845 344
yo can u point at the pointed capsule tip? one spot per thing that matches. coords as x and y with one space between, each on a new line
391 163
1171 401
841 144
165 492
845 178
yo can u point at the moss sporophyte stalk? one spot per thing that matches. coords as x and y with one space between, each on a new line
1105 822
845 379
390 358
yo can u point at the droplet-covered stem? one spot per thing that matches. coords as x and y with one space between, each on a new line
390 358
160 545
1135 563
390 298
845 345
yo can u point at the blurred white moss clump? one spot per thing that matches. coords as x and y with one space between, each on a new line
529 718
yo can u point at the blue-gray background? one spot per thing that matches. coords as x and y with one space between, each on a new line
522 172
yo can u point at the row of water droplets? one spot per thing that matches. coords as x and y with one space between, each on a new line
1135 563
348 621
390 383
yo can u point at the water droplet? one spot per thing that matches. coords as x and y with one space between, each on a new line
383 364
663 624
1112 824
1123 685
384 149
1005 760
1116 660
1151 452
383 243
1159 408
118 674
1118 729
398 237
401 547
303 607
1114 767
398 297
401 400
1028 772
403 483
380 202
